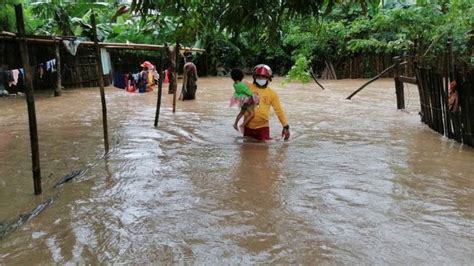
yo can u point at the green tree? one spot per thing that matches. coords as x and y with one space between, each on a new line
7 15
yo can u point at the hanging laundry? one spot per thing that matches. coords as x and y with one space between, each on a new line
22 73
51 65
21 78
41 70
119 80
136 77
106 63
15 73
71 46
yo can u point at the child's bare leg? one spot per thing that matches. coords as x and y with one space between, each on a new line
237 119
251 114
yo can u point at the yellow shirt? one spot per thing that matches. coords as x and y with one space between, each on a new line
150 78
268 97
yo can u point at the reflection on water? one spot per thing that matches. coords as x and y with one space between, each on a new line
358 182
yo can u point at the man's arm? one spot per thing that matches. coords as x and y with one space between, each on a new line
195 72
281 116
279 110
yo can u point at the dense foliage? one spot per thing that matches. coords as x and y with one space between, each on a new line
289 35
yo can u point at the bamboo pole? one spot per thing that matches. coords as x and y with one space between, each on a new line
447 118
442 102
419 78
4 35
438 82
160 89
450 116
30 100
398 84
372 80
175 76
430 88
456 116
101 84
467 97
420 90
57 90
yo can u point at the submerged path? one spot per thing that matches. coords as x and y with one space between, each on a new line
358 183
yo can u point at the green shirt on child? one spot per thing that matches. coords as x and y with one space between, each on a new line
241 89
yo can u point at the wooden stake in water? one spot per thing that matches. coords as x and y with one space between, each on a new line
398 84
57 90
160 88
30 99
175 76
101 83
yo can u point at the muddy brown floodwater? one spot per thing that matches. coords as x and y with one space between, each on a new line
358 183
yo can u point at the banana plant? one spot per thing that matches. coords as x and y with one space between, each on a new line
61 17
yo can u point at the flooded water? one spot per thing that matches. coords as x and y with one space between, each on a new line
358 183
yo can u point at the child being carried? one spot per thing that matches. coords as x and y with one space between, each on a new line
243 97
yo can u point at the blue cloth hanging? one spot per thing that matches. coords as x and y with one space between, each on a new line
119 80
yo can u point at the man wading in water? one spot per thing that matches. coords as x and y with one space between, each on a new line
258 127
188 91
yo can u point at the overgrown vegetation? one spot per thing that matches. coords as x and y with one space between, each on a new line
289 35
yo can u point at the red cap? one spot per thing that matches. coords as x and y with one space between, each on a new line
147 64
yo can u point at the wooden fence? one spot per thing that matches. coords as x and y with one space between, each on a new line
363 66
457 124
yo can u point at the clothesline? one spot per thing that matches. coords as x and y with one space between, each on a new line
11 77
51 62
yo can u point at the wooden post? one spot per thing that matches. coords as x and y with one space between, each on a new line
436 82
420 83
172 70
175 75
57 90
160 89
398 84
30 100
101 83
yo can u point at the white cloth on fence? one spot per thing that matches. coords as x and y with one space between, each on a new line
71 46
